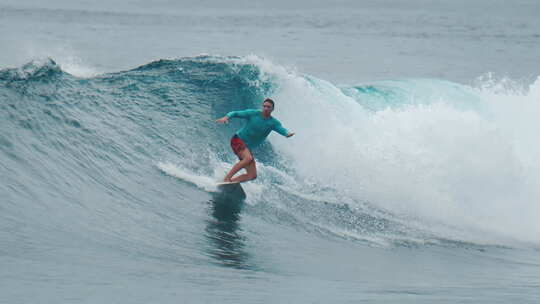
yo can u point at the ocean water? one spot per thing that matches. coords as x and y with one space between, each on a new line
413 176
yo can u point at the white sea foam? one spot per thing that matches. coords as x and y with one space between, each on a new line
254 189
204 182
66 57
473 167
76 67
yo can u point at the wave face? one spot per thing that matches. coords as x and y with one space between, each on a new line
391 162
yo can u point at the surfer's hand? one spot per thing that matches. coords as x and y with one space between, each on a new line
290 134
223 120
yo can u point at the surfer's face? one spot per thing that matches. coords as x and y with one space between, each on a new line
267 108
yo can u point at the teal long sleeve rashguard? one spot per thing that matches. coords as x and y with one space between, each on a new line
257 127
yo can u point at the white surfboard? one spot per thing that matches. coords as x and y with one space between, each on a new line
227 183
231 188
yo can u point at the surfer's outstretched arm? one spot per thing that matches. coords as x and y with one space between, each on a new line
223 120
281 130
240 114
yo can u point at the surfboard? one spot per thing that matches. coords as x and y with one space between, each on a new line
227 183
231 189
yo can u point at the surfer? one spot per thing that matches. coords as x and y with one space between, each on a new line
258 125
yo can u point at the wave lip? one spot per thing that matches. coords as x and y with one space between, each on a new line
34 70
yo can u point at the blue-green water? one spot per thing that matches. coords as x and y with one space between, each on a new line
407 187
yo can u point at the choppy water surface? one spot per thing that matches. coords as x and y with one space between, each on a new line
412 178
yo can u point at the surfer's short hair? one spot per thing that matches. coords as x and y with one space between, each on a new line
270 101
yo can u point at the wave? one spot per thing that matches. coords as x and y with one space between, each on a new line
402 161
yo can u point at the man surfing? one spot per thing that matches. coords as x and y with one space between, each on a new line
259 123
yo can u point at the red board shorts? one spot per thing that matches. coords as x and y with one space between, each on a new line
238 145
